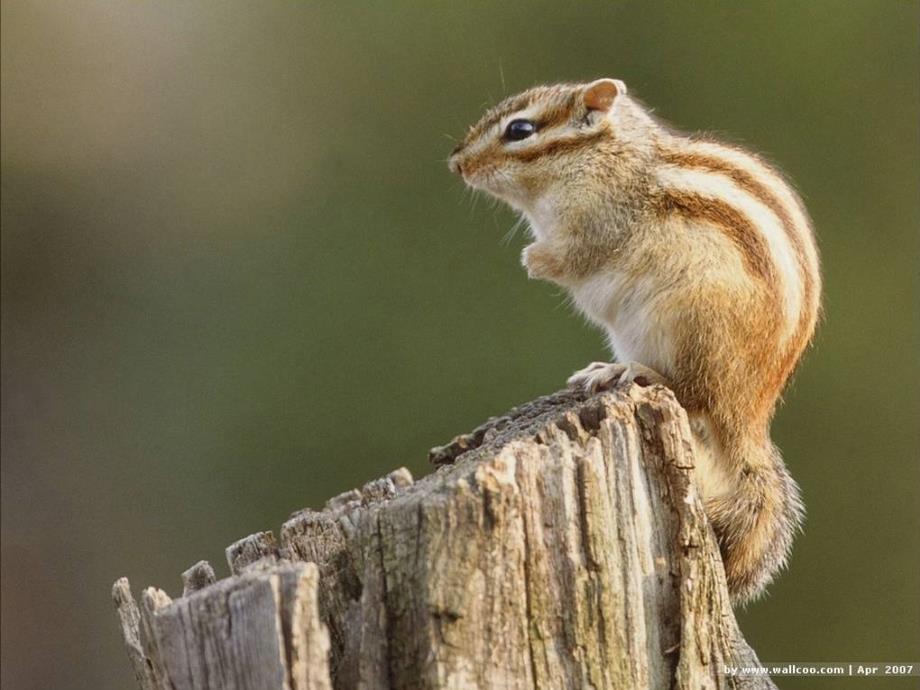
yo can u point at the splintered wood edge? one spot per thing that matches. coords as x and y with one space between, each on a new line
280 636
129 616
197 577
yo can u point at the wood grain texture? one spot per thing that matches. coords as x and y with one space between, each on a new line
559 546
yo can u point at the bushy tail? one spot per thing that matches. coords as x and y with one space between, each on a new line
756 522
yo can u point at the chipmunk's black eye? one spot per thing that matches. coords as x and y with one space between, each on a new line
519 129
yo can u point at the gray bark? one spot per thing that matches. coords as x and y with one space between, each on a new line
559 546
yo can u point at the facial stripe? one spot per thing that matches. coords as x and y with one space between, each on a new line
495 115
547 105
553 146
556 113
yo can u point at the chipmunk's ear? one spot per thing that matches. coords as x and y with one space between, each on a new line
600 94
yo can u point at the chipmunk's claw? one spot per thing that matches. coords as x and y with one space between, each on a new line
599 376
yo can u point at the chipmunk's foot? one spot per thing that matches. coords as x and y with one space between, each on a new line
599 376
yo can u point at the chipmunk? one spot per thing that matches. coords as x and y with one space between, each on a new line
699 262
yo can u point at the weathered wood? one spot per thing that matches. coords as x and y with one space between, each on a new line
197 577
559 546
259 630
130 617
258 550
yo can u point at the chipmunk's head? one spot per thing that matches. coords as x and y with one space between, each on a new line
546 137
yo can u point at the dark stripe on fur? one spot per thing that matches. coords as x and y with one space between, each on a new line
741 230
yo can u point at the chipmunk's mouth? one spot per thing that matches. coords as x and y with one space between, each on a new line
481 175
478 177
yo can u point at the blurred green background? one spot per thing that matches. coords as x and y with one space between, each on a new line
238 279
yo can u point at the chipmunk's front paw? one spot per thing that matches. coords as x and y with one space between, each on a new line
599 376
542 262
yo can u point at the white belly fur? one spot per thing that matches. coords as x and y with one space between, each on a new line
638 323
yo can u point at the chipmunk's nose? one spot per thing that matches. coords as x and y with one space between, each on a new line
453 161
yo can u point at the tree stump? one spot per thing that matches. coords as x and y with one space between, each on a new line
561 545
